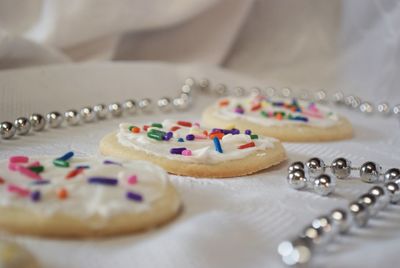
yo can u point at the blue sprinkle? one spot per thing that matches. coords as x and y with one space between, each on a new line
134 196
40 182
66 156
217 145
109 162
82 167
181 140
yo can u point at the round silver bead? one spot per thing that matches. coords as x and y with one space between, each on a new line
320 96
352 101
286 92
370 202
7 130
392 174
38 122
187 89
270 92
342 219
221 90
315 235
366 107
370 172
101 111
72 117
239 92
182 103
145 105
382 196
304 94
394 192
328 229
396 109
164 104
130 107
296 252
324 184
315 167
55 119
341 168
383 108
190 81
115 109
359 212
22 125
297 179
88 114
338 97
204 83
255 91
296 166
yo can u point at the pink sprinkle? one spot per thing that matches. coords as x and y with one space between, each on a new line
13 166
201 136
132 179
187 152
197 124
18 190
29 173
18 159
312 114
34 164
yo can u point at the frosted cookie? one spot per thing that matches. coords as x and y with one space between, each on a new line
185 148
70 196
15 256
287 120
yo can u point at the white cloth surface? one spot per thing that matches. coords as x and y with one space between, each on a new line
234 222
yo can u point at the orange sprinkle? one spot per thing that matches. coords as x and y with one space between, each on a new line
247 145
224 102
205 132
219 135
62 193
135 130
175 128
279 116
256 107
73 173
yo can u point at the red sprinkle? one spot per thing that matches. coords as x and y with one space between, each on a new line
18 190
219 135
175 128
145 127
18 159
1 180
247 145
74 173
256 107
184 123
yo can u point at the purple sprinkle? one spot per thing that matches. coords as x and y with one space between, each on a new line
216 130
82 167
109 162
247 132
177 150
103 180
239 110
190 137
36 196
168 136
235 131
226 131
40 182
134 196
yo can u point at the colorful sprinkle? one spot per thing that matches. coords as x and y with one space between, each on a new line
2 180
239 110
187 152
36 169
85 166
256 107
103 181
106 162
36 196
190 137
29 173
247 145
13 166
200 136
134 129
34 164
184 123
254 136
18 159
145 127
66 156
157 125
175 128
224 102
181 140
235 131
40 182
156 134
132 179
18 190
62 193
217 135
177 150
247 132
60 163
168 135
134 196
217 145
73 173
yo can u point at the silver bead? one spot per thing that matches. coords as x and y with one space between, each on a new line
101 111
320 96
286 92
72 117
164 104
270 92
115 109
383 108
338 97
394 191
7 130
370 172
382 196
342 219
295 166
22 125
55 119
315 235
204 83
297 179
187 89
220 90
396 109
255 91
87 114
190 81
315 167
366 107
341 168
325 224
145 105
352 101
304 94
370 202
130 107
239 92
38 122
182 103
392 174
296 252
324 184
360 213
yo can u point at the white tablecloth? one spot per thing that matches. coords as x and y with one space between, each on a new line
234 222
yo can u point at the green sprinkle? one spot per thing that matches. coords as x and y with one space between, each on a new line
155 135
264 113
254 136
159 132
131 127
60 163
158 125
37 169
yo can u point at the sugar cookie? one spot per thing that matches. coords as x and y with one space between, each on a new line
286 120
14 256
184 148
71 196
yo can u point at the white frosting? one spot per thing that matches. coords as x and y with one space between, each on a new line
325 118
85 199
203 150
